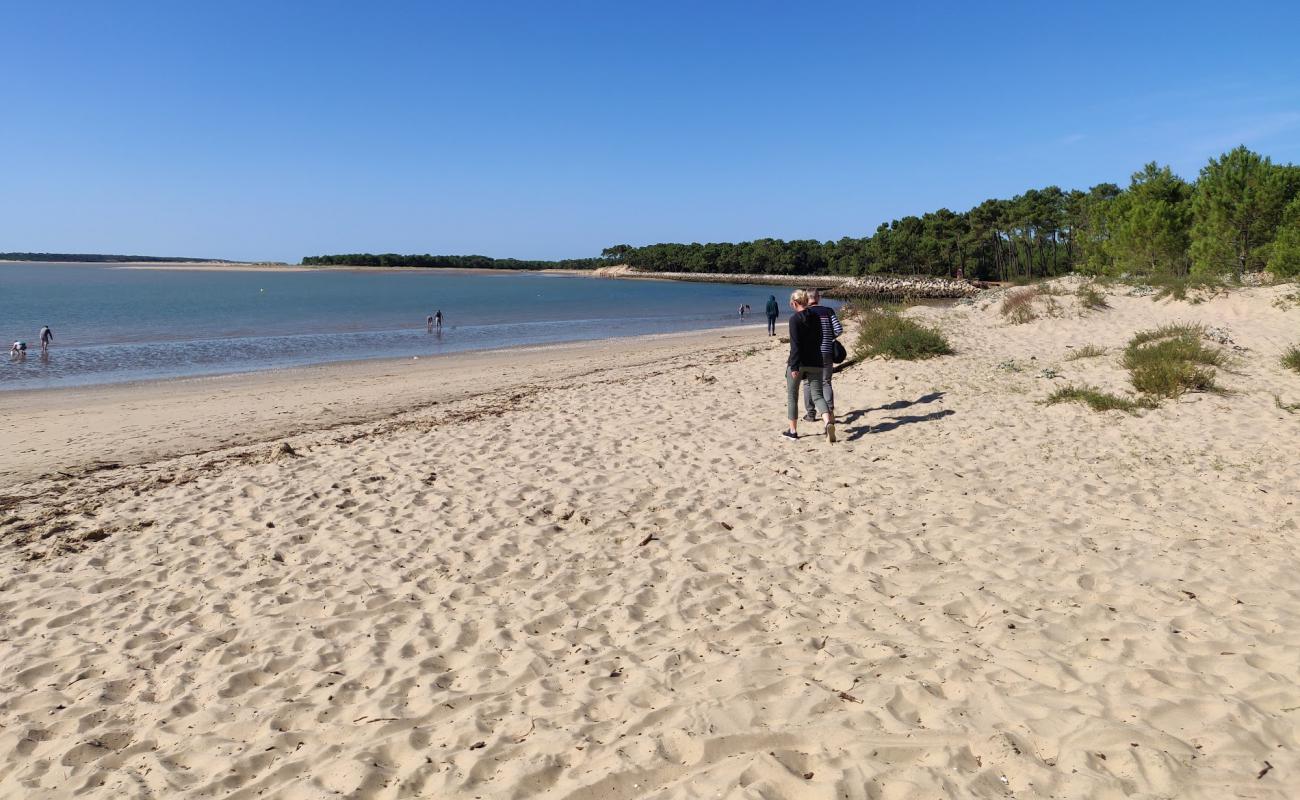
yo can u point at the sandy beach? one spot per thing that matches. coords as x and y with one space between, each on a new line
597 571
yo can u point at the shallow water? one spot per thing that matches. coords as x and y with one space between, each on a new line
112 324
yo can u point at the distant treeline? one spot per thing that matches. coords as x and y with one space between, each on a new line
96 258
1241 214
447 262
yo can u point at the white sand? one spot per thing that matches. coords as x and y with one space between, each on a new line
624 584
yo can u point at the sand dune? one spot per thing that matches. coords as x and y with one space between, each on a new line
618 581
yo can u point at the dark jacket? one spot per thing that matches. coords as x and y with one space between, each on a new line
773 309
805 341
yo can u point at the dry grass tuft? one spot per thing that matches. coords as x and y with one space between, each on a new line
1091 298
1018 306
1087 351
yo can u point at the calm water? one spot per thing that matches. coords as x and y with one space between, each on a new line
114 325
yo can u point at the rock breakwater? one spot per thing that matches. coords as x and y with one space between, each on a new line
836 286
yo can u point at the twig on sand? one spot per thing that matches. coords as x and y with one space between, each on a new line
648 539
532 726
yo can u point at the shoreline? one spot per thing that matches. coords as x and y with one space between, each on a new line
141 421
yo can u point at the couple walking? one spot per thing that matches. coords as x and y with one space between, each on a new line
813 330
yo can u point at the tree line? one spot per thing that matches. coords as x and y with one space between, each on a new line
1241 214
446 262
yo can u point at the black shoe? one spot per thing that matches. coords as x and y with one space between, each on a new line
809 417
789 434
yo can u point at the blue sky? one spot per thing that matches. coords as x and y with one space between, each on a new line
274 130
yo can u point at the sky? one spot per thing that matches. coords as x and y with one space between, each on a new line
277 130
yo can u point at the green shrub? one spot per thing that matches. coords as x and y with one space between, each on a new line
1087 351
1183 348
1097 400
1172 360
885 334
1291 358
1171 379
1175 330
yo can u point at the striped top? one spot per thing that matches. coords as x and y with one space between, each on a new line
831 327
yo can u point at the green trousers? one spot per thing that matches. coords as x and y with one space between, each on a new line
814 377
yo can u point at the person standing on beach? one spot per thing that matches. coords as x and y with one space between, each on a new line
831 330
437 319
805 364
47 336
773 311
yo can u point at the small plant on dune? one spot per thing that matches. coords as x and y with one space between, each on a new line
1087 351
882 333
1174 330
1172 379
1169 361
1187 288
1018 306
1096 399
1291 358
1091 298
1051 289
1179 348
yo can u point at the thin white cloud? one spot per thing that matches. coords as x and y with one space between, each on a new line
1249 131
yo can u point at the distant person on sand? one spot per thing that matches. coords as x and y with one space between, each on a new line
47 336
831 330
437 319
773 311
18 350
805 364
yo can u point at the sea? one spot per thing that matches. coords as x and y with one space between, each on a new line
113 324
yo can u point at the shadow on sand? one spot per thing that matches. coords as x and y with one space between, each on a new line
894 422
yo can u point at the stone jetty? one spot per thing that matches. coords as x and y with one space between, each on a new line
919 287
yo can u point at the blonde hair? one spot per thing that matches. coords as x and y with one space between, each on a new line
799 297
